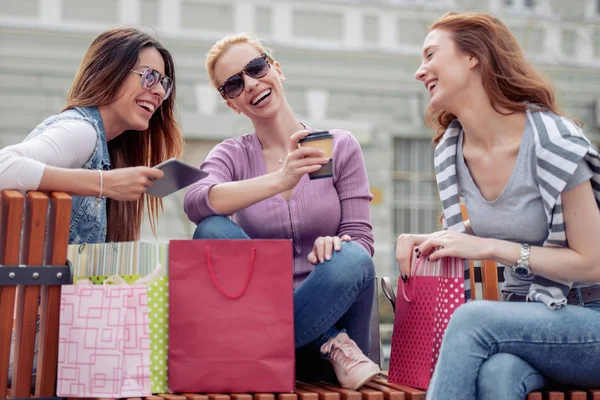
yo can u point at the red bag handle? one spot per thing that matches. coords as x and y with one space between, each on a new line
214 278
456 267
413 273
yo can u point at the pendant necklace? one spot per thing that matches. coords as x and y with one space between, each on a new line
279 159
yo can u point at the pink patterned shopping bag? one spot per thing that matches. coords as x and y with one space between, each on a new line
424 306
104 344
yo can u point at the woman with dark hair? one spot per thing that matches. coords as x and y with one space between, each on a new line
118 122
530 180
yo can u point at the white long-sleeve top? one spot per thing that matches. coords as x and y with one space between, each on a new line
65 144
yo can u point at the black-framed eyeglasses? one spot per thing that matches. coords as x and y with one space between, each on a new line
151 78
234 85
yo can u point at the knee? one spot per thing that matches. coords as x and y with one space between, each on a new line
507 376
358 263
497 368
212 227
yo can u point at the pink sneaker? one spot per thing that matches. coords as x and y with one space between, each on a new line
352 368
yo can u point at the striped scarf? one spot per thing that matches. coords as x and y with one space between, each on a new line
559 147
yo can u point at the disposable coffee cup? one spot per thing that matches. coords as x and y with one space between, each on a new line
321 140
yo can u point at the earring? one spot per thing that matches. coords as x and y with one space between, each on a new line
282 78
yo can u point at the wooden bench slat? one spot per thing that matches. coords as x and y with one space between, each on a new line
304 394
28 296
218 396
370 394
323 394
410 393
264 396
194 396
345 394
388 394
534 396
169 396
240 396
595 394
287 396
554 395
11 218
56 254
577 395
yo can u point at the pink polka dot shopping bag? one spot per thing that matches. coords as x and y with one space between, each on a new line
424 306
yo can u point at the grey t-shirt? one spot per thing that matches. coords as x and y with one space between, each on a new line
518 213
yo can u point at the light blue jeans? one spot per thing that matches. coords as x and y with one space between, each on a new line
337 296
504 350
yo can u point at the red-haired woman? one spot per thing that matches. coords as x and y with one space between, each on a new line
531 184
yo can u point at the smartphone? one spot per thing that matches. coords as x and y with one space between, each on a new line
178 175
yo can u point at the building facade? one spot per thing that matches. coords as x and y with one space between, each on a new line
349 64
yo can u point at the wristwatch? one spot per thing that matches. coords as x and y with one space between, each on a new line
521 268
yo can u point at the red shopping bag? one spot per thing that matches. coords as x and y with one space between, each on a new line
423 308
231 318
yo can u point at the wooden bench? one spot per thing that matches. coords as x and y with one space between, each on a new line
24 221
34 231
489 275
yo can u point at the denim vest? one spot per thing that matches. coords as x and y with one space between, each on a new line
88 215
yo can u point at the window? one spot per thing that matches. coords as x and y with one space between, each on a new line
520 5
416 206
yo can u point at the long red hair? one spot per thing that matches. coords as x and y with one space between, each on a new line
508 79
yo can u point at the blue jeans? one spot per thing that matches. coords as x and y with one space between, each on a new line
337 296
501 350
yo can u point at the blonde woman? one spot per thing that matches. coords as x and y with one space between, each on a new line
260 179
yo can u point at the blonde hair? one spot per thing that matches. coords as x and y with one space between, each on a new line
222 45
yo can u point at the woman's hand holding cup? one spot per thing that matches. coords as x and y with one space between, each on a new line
299 161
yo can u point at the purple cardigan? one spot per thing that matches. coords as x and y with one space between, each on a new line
323 207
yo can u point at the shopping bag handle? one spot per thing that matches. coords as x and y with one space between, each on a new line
214 278
414 273
388 291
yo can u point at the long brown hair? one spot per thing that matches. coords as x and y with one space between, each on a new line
508 79
107 63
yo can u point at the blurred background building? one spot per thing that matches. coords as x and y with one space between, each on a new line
349 64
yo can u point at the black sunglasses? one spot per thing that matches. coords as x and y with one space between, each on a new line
234 85
151 78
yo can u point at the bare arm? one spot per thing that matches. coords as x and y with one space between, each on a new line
226 196
580 262
229 197
119 184
78 182
52 161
